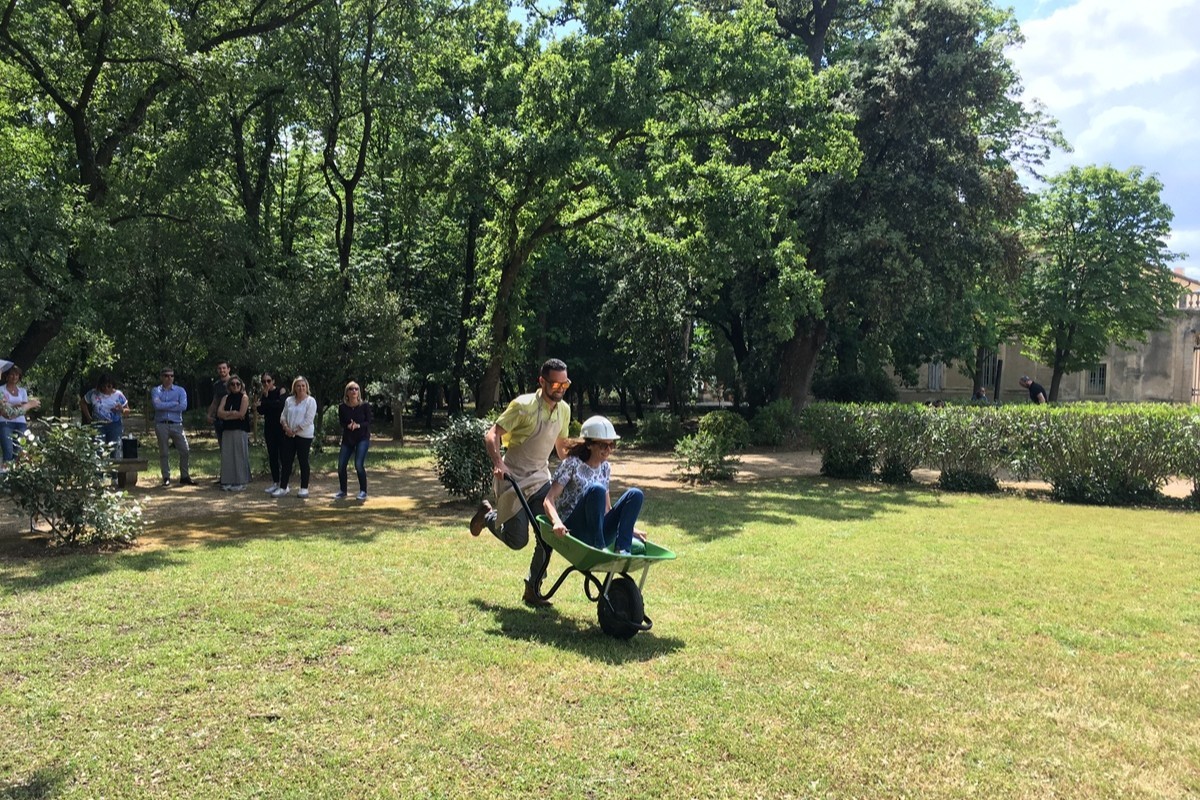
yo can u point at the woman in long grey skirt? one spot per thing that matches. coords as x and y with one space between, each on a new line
235 440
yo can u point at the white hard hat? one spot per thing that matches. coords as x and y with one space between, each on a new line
598 427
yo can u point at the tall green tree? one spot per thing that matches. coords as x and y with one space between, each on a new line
1100 273
900 245
96 72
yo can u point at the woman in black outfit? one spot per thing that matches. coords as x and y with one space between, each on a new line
355 417
270 406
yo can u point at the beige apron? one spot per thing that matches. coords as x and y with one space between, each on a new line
528 464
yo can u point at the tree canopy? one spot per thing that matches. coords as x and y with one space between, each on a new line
432 197
1100 270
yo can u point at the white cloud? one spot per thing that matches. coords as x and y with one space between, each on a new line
1097 47
1188 242
1123 79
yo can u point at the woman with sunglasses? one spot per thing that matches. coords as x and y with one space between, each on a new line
354 415
579 501
234 413
270 408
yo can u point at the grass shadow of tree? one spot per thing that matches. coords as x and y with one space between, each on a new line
551 627
41 785
716 511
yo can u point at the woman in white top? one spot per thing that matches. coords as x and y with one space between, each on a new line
578 500
299 413
106 407
14 402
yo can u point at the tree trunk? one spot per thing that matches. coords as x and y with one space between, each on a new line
37 337
465 308
981 357
1055 382
501 313
798 362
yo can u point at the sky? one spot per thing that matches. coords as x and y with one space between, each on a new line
1123 80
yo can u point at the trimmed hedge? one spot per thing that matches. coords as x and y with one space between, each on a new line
1087 452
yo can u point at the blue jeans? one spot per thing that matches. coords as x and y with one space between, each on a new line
360 460
7 431
112 431
589 524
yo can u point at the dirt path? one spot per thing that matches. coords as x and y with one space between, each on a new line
182 514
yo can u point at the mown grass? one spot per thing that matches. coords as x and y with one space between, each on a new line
814 639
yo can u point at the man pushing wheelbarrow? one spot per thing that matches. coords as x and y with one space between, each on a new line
529 428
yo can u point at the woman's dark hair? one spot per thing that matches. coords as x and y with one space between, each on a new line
582 449
105 379
4 375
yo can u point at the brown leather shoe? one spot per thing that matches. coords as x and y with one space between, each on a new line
533 596
480 518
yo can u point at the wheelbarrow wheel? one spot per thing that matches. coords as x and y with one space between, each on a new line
622 612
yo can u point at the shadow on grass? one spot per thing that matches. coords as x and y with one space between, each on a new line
41 785
550 627
720 510
167 542
412 501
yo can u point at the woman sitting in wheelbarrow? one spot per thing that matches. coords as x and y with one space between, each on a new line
579 501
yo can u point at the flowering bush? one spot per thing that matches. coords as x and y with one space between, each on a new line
60 478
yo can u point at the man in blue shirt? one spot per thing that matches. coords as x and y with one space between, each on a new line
170 401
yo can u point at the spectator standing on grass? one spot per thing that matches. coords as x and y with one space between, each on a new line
14 402
270 408
529 429
1037 393
220 388
170 401
299 414
105 407
234 413
354 415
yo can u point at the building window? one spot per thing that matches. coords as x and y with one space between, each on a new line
1098 379
937 377
987 377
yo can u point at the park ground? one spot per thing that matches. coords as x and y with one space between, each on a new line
815 638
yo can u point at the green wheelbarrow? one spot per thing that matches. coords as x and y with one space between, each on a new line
606 575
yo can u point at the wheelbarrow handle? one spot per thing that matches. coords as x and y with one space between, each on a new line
529 515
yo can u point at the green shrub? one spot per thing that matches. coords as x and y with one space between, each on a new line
776 424
704 458
328 424
61 479
875 387
1094 453
840 432
969 445
899 436
659 430
730 428
953 480
1187 450
460 458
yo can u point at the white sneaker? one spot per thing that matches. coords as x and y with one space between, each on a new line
340 496
280 492
272 488
302 493
237 487
362 495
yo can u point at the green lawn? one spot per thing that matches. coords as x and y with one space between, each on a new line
813 639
